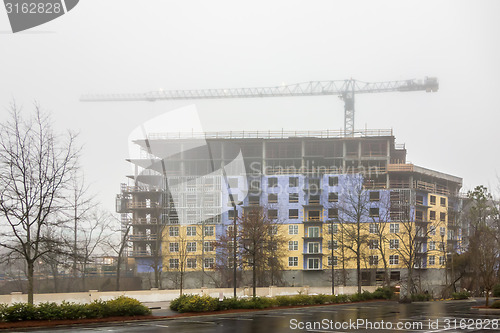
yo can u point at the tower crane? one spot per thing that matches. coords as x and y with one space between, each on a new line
345 89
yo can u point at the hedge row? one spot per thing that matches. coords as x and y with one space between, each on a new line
196 303
460 295
121 306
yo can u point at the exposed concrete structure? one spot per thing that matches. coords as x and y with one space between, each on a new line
180 205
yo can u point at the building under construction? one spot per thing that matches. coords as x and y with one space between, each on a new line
180 203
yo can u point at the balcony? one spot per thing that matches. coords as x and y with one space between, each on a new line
143 205
137 189
140 253
144 221
313 220
144 238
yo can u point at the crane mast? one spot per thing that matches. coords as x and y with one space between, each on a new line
345 89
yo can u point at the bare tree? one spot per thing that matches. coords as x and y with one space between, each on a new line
80 203
118 246
93 235
260 242
35 170
354 213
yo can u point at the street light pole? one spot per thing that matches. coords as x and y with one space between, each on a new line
234 248
332 252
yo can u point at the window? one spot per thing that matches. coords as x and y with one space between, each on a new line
191 247
293 229
432 231
313 247
442 217
394 244
441 260
333 197
254 200
375 196
208 263
313 263
191 263
373 244
373 260
293 198
374 212
442 231
442 201
335 245
373 228
293 261
272 198
432 245
334 229
333 181
420 200
333 213
173 247
272 214
394 228
293 245
191 231
394 260
314 215
230 214
335 261
419 216
174 263
173 231
208 246
313 232
432 215
432 260
293 214
272 182
314 199
209 230
293 181
433 199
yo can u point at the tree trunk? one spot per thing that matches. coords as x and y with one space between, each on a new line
254 278
118 274
487 297
31 274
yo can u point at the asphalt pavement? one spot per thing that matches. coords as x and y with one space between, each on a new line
441 316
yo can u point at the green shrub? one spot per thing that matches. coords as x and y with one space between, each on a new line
283 300
175 304
196 303
319 299
496 290
126 306
420 297
19 311
383 293
226 304
495 305
461 295
48 311
121 306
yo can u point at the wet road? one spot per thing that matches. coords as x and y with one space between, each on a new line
366 317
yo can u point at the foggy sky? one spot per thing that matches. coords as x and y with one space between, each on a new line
120 46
